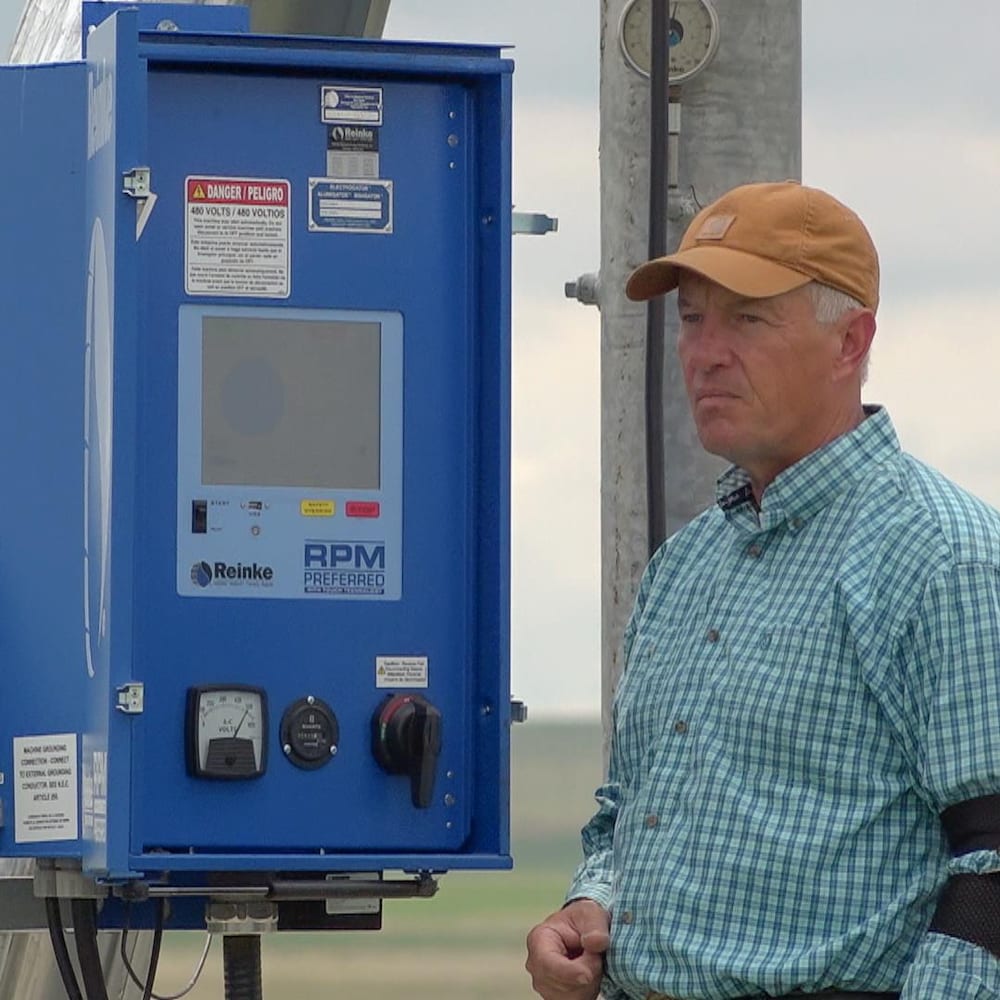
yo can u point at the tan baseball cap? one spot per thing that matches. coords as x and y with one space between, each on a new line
765 239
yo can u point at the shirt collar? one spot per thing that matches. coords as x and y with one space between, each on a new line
812 483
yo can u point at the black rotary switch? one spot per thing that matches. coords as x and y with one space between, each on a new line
309 733
406 739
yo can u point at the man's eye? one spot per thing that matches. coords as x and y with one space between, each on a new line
690 317
751 318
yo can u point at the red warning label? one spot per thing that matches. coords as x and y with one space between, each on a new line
219 191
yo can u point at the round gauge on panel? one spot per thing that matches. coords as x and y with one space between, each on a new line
693 35
226 733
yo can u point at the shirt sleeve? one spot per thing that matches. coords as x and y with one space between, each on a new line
594 878
950 661
949 657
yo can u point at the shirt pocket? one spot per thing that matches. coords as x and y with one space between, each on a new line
654 682
787 698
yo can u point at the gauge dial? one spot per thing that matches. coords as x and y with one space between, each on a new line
693 34
226 731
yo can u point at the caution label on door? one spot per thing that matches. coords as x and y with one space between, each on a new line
238 237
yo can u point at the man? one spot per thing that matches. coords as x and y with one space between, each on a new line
803 796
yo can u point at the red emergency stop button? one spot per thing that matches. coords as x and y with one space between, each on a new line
362 508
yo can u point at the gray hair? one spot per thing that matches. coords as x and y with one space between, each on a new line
830 304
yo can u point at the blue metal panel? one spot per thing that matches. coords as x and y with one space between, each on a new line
42 295
331 652
244 109
116 89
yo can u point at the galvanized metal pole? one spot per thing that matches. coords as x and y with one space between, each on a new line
739 120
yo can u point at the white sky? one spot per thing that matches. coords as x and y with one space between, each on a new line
901 114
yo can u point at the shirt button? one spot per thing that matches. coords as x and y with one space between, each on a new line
652 820
627 917
712 635
796 523
754 551
680 726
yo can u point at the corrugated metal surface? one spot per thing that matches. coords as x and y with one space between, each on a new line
50 29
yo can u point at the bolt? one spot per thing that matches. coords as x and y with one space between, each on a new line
333 751
287 748
449 799
311 700
487 709
453 140
452 115
450 774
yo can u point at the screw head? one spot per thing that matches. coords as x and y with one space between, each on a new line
287 748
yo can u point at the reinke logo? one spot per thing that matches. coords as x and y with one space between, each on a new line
204 574
352 133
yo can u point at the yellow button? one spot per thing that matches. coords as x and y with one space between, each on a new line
317 508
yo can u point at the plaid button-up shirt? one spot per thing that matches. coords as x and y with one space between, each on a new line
807 686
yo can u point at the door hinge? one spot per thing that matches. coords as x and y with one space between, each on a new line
137 183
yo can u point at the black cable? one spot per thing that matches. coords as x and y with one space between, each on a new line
85 931
63 961
241 965
154 956
656 312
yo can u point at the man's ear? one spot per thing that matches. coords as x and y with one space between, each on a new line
855 342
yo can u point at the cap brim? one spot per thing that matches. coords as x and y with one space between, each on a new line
740 272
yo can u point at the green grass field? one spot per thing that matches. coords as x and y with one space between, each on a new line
468 941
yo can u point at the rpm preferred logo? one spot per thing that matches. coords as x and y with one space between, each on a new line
206 574
348 568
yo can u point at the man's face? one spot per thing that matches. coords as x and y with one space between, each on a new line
759 374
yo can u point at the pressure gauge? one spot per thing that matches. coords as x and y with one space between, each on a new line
693 35
226 732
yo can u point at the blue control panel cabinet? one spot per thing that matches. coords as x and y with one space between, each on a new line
254 565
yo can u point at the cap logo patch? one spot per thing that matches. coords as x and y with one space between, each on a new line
715 227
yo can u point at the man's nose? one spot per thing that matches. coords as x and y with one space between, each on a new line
708 345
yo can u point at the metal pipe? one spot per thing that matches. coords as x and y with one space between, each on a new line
656 313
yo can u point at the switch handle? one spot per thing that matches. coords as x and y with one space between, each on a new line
427 721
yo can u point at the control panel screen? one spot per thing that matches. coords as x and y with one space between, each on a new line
291 402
